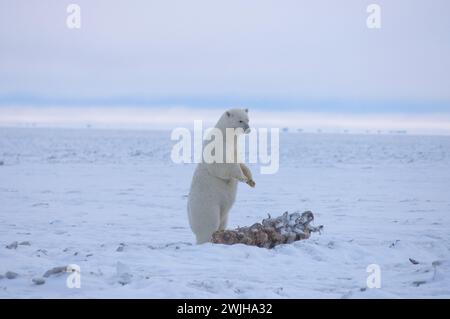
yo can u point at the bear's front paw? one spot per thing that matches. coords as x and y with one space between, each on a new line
251 183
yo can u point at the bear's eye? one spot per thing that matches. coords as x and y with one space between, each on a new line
241 122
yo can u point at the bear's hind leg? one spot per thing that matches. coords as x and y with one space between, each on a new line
223 220
209 226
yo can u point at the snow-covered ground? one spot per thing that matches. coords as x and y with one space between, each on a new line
113 203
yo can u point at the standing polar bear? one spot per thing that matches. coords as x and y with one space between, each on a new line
214 185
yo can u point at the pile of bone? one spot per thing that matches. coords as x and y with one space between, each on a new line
271 232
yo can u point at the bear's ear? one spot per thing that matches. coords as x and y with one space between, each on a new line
246 110
228 113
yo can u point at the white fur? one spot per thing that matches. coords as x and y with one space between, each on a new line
214 186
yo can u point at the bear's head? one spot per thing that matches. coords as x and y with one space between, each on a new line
237 118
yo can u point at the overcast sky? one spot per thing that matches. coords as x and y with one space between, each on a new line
236 49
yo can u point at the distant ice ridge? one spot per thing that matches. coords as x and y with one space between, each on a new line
129 117
120 146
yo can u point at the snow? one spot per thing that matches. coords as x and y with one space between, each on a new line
112 202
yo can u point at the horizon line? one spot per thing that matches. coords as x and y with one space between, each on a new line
165 117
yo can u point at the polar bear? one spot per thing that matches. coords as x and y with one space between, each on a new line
214 184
